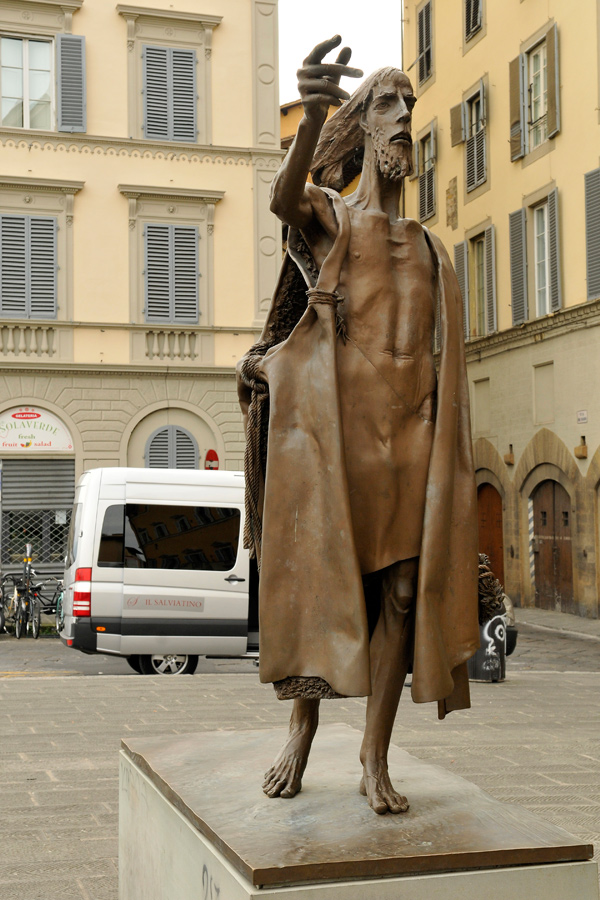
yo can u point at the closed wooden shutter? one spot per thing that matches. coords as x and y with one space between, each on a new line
172 447
183 69
185 273
518 118
13 266
42 268
490 279
424 36
427 194
553 76
592 232
457 124
169 94
171 273
158 273
186 453
554 252
518 265
70 50
157 454
28 266
461 267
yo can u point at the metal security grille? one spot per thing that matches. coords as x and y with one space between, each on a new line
36 501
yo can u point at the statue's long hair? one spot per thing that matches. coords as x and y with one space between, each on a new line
339 154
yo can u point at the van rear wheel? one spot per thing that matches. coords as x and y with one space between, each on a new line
168 664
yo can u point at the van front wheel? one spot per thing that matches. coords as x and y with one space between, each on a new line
168 664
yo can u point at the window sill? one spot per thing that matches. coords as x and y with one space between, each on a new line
538 153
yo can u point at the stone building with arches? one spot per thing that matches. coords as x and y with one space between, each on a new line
137 250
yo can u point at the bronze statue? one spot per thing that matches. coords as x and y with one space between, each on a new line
361 505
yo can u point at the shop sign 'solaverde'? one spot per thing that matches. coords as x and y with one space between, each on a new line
31 429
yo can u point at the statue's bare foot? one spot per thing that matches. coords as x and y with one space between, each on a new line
284 778
376 786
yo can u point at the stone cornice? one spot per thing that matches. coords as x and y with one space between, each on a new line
47 185
585 315
148 192
93 145
204 21
121 371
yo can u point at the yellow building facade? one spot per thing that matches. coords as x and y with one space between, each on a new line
137 250
507 132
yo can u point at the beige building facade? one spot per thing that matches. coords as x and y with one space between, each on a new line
507 173
137 250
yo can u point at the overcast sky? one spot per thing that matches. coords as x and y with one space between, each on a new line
372 28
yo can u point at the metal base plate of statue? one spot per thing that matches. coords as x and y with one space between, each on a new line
194 823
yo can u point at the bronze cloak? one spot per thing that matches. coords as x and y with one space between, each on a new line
312 611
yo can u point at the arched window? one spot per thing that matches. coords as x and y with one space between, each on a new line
171 447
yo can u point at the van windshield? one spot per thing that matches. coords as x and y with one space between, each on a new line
153 536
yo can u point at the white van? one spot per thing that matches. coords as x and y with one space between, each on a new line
155 569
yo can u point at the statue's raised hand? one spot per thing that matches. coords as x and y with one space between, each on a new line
319 82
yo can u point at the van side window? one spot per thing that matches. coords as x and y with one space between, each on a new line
74 532
153 536
110 554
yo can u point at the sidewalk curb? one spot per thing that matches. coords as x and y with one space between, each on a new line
567 632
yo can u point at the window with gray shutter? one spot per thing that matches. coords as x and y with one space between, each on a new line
169 76
424 39
517 77
472 17
28 266
552 72
171 447
518 265
70 51
490 279
592 232
426 157
554 252
462 273
476 160
171 273
458 129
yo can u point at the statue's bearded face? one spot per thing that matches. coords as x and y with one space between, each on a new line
388 122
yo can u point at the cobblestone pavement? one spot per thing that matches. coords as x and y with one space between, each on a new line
532 740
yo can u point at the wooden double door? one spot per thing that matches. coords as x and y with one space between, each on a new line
553 556
491 542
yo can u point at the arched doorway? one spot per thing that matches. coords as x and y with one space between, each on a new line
553 558
489 506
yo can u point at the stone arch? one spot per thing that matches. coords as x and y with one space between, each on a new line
146 421
490 467
545 447
545 458
592 490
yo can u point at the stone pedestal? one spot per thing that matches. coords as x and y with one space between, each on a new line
194 823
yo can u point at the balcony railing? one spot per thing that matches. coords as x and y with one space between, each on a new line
30 343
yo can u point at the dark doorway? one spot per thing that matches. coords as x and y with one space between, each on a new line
489 505
552 548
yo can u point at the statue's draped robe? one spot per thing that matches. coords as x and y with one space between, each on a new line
360 478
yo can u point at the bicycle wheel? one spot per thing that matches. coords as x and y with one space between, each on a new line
2 617
20 621
35 616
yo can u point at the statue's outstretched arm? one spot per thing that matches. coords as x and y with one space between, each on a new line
318 84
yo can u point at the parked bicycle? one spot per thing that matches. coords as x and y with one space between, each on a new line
23 600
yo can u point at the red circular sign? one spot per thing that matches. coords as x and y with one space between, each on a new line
212 460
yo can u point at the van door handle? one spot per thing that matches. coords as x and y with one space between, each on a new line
232 579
